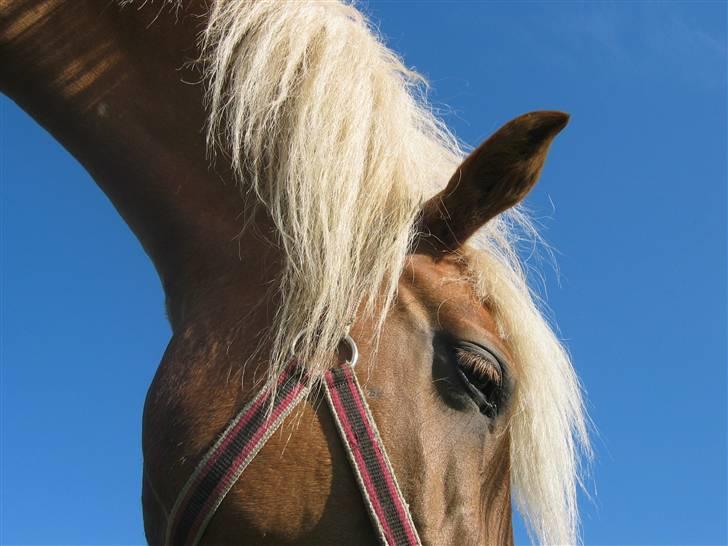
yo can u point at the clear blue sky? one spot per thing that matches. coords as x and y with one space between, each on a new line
633 198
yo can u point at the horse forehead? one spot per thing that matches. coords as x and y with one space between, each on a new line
439 294
442 279
443 287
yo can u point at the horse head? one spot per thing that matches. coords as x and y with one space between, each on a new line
444 378
278 166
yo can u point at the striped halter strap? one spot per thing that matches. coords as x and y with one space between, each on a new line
248 431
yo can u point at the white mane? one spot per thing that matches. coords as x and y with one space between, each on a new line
331 133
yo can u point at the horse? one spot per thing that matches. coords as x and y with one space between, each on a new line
286 176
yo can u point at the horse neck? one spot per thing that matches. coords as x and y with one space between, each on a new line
113 86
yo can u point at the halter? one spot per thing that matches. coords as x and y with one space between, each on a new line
251 428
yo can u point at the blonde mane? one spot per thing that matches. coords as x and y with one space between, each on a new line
330 132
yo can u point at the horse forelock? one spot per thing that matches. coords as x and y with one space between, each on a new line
326 129
331 132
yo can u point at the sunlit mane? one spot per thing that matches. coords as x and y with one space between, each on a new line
330 132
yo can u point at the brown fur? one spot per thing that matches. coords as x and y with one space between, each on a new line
110 86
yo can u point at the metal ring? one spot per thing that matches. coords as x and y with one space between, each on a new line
354 350
295 342
347 338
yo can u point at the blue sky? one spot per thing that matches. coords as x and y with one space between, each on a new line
633 200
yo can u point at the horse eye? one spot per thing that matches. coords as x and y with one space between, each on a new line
482 376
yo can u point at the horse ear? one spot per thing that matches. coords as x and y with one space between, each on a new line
493 178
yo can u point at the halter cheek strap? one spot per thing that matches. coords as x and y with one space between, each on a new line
248 432
386 505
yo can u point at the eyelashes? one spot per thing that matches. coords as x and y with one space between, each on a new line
482 375
487 369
